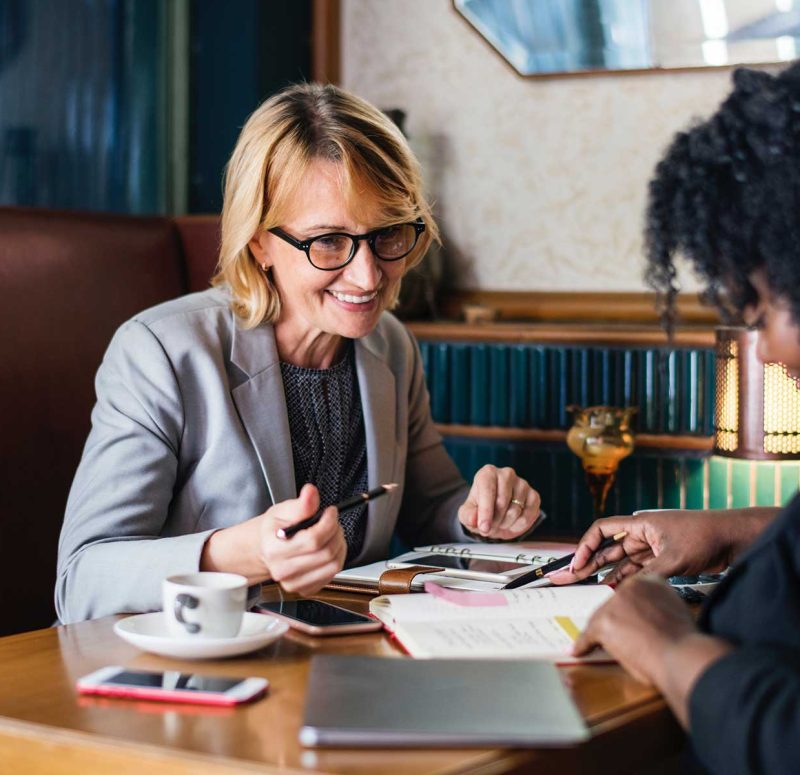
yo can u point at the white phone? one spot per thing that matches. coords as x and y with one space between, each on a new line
477 568
318 618
171 686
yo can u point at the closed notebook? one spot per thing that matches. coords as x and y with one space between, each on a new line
534 623
358 701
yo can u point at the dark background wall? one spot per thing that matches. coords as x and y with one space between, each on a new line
87 96
241 52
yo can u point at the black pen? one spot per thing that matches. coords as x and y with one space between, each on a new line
561 562
347 503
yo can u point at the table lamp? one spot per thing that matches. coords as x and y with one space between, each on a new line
757 408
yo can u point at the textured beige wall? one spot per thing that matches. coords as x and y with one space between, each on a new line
540 183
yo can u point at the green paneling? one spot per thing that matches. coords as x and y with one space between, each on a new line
519 406
671 481
718 483
479 384
740 483
460 384
765 484
498 385
644 480
532 385
694 482
790 476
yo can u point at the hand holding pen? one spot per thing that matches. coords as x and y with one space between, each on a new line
604 543
668 543
311 558
547 570
347 503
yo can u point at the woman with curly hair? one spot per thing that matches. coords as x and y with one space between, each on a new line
726 196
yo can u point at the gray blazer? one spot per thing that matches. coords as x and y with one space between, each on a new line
190 434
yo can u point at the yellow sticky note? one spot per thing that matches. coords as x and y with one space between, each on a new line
568 626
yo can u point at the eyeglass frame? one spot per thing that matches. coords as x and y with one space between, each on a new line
369 236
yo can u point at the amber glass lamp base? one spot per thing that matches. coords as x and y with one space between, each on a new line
601 437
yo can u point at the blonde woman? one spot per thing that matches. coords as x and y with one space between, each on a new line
226 415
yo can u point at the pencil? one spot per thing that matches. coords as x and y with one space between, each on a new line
561 562
347 503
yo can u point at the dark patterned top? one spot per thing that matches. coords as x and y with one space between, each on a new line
328 442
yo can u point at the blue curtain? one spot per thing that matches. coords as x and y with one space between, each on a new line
82 104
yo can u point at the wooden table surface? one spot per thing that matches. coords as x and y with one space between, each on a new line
45 727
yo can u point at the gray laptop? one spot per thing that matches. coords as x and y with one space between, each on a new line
371 701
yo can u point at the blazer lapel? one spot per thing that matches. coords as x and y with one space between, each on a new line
261 403
376 383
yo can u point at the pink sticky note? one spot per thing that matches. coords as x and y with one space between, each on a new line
465 596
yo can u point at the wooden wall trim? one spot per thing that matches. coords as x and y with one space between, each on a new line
555 333
326 41
574 307
643 440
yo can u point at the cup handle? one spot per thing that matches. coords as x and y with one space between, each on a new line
186 601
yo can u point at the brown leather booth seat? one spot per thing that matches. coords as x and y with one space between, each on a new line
68 280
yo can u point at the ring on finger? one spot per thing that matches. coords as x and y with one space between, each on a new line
519 503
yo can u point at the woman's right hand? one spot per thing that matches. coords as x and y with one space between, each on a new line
308 560
674 542
304 563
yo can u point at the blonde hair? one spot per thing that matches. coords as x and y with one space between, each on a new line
279 141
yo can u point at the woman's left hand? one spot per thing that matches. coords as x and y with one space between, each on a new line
500 504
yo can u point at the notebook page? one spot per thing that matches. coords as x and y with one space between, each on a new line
577 601
542 638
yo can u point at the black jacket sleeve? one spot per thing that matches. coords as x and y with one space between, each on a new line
744 712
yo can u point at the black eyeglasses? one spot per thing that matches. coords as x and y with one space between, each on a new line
335 250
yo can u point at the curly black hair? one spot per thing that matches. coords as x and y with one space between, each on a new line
726 195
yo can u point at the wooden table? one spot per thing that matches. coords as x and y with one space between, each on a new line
45 727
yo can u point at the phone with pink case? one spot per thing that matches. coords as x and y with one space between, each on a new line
171 686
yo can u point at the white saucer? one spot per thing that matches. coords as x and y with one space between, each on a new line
149 633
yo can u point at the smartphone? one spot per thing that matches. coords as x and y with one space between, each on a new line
318 618
466 567
171 686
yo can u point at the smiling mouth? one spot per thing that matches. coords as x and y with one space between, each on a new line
352 299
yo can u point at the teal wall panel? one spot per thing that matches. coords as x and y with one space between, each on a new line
556 473
519 406
479 384
460 384
499 361
765 484
694 482
647 479
789 478
672 477
718 483
531 386
740 483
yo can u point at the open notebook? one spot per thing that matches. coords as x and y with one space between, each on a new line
539 623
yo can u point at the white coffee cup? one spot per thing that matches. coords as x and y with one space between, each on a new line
204 605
